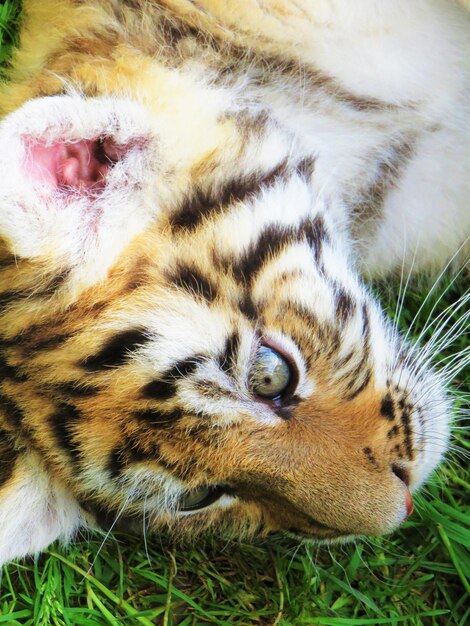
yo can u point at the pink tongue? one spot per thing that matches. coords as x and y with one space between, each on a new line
67 165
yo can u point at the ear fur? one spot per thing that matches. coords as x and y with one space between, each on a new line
40 220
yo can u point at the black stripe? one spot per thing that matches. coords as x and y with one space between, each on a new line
229 355
370 457
344 305
328 341
269 243
315 80
133 4
7 297
369 207
362 386
129 452
406 420
318 525
10 372
354 374
192 280
76 389
159 389
280 172
183 368
387 408
365 325
272 240
159 419
116 462
7 260
248 307
62 423
116 350
47 290
345 360
251 125
137 275
316 234
397 450
54 283
38 337
164 387
306 167
213 391
48 343
8 457
23 336
202 204
13 413
171 31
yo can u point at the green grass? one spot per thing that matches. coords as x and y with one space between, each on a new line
420 575
9 14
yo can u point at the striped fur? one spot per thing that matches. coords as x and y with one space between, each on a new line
241 169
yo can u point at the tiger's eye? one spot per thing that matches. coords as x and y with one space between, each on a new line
199 498
270 373
193 499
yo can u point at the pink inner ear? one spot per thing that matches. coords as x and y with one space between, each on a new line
81 165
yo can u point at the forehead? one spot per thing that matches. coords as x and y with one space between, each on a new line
249 269
270 240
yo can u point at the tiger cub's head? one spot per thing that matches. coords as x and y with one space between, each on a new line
190 344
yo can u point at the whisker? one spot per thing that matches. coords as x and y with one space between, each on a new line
121 511
436 282
405 290
144 529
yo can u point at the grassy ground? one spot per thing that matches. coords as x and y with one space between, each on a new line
420 575
9 11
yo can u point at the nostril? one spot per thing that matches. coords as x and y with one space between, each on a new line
401 473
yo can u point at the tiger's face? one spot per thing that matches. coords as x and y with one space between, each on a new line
192 347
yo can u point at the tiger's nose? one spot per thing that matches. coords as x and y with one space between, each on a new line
402 474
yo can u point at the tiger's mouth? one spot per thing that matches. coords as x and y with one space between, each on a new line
80 165
322 534
312 538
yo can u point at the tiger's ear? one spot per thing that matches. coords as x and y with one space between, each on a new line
34 510
76 178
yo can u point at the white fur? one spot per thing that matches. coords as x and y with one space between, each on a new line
35 511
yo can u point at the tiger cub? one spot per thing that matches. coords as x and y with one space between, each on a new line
190 194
